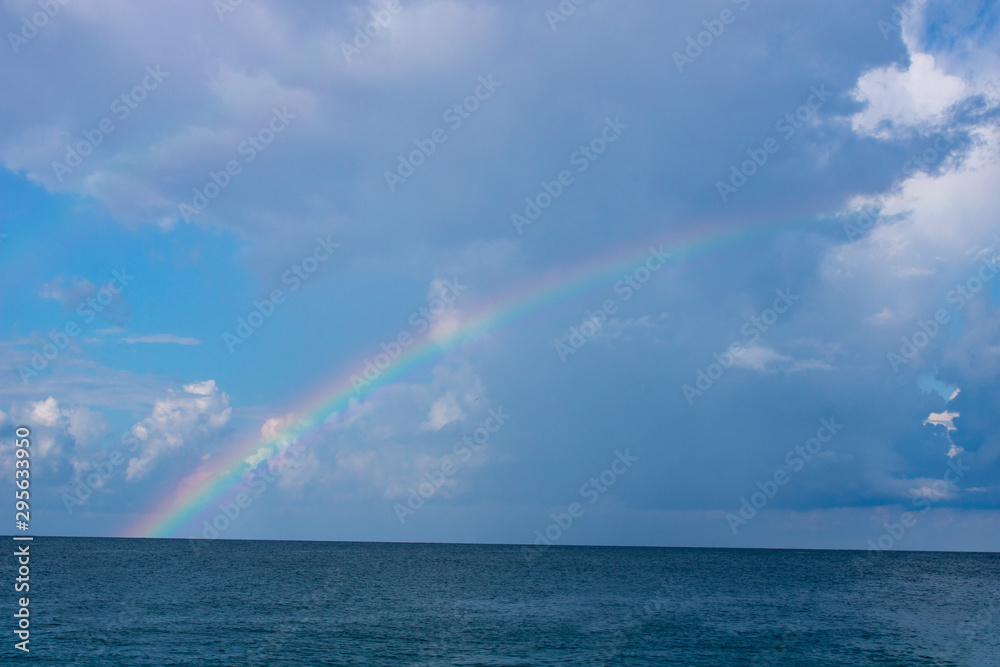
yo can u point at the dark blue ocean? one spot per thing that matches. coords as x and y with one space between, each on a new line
159 602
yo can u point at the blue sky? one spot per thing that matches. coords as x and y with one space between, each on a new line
837 161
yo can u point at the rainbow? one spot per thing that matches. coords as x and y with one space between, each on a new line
220 475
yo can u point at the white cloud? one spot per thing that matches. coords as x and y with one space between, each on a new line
759 358
69 295
272 431
46 412
161 338
48 446
946 419
273 427
898 100
444 411
884 316
810 365
447 320
933 489
763 359
85 425
934 231
206 388
59 433
382 446
180 419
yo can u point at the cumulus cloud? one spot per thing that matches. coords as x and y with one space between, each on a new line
900 100
85 425
274 432
444 411
63 435
181 419
49 425
46 412
384 444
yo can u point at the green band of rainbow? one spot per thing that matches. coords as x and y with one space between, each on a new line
227 470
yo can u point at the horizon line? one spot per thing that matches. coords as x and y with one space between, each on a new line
515 544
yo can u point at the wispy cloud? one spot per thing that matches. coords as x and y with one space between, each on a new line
161 338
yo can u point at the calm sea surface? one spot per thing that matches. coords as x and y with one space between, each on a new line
158 602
